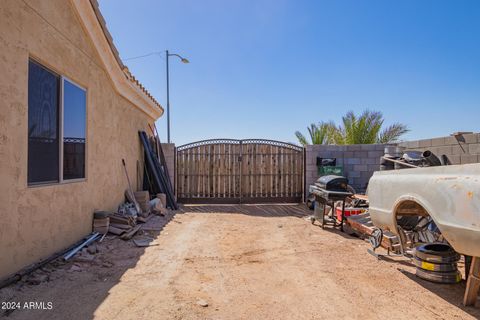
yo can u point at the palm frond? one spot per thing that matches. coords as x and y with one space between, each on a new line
392 133
301 138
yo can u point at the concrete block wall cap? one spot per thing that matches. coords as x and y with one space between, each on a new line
471 138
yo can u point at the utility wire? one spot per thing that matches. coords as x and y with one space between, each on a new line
159 53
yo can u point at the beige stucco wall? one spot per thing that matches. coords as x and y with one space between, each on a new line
37 221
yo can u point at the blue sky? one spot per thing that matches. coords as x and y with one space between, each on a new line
265 68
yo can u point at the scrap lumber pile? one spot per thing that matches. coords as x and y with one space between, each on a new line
126 225
363 226
156 176
397 158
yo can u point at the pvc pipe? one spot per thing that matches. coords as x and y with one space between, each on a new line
85 243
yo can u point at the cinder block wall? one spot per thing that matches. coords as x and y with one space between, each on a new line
169 153
358 161
467 151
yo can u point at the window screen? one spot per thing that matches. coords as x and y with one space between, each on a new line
74 122
43 133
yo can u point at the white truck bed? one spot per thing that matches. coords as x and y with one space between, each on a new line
449 194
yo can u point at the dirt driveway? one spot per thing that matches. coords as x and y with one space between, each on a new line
245 262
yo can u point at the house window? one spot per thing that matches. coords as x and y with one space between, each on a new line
74 119
56 127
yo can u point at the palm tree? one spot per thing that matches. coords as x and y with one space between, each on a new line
367 129
319 134
363 129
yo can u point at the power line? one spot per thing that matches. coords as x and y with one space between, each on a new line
159 53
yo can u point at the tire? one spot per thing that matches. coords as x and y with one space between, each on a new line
439 277
441 267
437 253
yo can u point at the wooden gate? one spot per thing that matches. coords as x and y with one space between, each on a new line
239 171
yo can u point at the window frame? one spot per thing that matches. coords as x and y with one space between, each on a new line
61 128
60 124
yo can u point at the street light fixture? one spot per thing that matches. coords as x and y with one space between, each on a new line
184 60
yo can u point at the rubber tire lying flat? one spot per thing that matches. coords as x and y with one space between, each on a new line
439 277
442 267
437 253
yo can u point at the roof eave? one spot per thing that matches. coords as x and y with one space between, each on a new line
124 85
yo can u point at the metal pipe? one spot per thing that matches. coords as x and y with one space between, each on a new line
400 162
85 243
168 99
430 158
16 277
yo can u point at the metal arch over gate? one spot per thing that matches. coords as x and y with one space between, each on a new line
239 171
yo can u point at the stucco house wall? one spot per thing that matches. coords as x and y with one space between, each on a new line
38 221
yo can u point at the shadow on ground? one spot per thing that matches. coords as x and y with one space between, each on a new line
76 288
452 293
257 210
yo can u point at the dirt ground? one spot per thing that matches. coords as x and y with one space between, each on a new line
237 262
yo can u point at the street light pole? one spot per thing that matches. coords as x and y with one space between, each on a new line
167 54
168 101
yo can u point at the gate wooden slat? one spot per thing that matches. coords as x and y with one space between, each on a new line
232 171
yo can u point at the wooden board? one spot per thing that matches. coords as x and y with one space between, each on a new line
363 225
239 171
473 283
